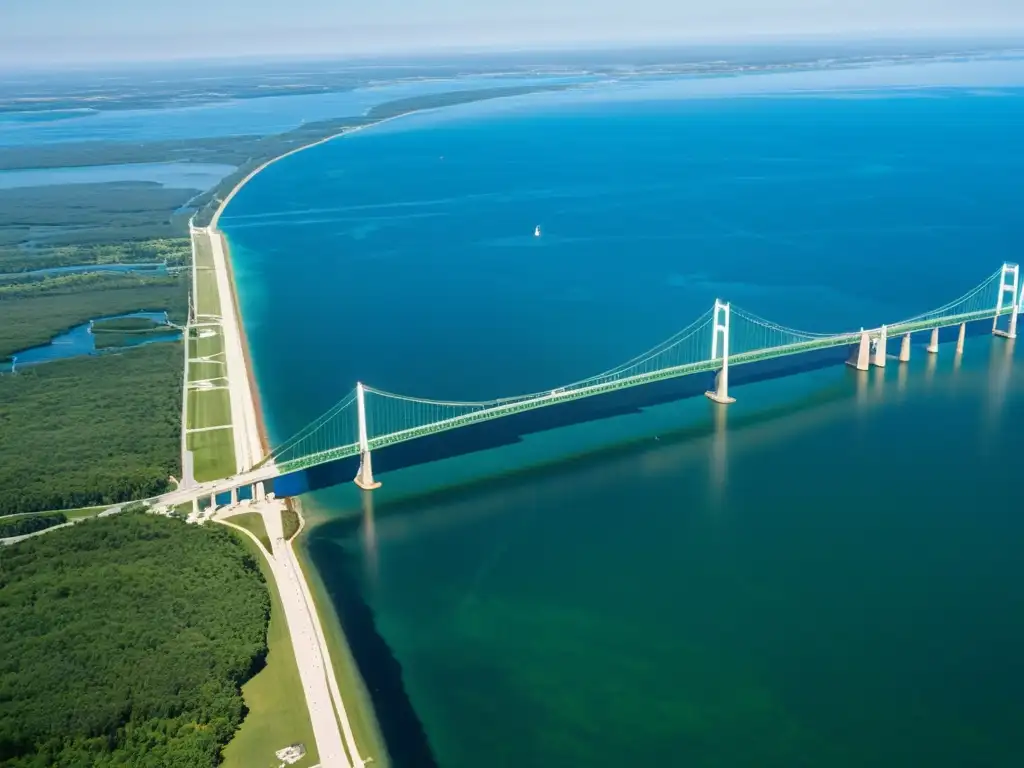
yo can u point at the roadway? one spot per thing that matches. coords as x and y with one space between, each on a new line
323 697
314 670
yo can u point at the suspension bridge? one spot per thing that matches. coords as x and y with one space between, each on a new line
725 336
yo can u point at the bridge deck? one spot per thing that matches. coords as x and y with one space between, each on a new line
558 396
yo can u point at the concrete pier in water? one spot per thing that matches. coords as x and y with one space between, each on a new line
905 348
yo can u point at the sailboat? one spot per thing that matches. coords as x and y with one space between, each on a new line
536 232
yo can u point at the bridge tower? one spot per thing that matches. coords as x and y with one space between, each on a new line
721 326
1009 282
364 477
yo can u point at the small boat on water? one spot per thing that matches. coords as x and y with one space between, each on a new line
536 232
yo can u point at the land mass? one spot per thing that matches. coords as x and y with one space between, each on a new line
182 613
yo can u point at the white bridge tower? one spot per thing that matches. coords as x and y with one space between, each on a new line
721 326
364 477
1009 282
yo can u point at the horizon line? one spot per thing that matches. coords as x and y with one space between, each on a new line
1007 40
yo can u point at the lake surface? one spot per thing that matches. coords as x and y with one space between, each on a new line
80 341
241 117
199 176
826 574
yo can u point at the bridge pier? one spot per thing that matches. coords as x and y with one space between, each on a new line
960 338
364 477
213 502
933 345
259 492
234 497
195 506
880 348
862 360
905 349
721 392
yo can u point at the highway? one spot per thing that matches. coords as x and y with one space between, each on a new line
323 696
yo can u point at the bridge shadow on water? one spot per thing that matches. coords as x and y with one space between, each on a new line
400 727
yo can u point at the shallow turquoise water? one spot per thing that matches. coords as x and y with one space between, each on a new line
826 575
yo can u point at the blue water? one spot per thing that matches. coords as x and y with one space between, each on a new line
200 176
821 214
79 341
825 574
242 117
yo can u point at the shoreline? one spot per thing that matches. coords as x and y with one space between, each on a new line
311 581
312 586
215 231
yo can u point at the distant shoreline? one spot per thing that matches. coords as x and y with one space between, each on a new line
215 230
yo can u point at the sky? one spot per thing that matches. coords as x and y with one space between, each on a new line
34 32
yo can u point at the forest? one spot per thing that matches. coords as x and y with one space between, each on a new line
172 251
91 213
33 316
91 431
22 525
125 642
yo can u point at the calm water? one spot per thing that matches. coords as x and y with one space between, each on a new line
242 117
828 575
199 176
80 341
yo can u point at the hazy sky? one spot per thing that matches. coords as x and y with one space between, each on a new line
36 31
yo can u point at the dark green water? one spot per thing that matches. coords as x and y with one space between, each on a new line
828 577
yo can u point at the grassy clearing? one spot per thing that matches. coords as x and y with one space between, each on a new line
213 454
207 342
208 408
126 324
208 372
290 522
277 713
253 522
353 690
208 298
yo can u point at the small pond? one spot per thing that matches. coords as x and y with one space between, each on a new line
80 341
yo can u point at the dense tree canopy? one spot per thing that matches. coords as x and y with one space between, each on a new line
90 431
25 524
124 641
34 312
